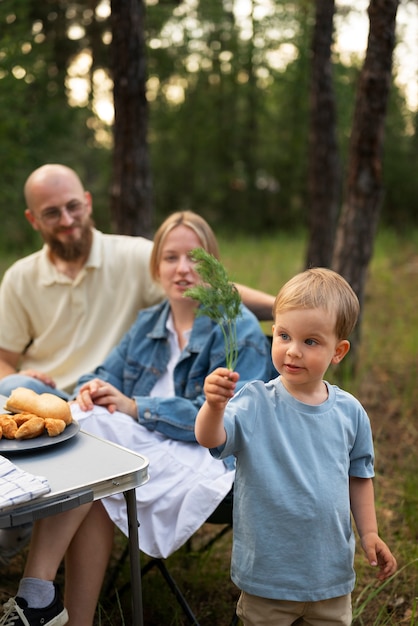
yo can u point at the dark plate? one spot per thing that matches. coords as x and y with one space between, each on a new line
43 441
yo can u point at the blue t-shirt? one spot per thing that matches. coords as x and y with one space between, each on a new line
293 538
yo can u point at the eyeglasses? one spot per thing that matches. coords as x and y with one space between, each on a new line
52 216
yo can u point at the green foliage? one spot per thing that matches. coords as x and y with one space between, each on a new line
219 300
37 125
249 120
411 504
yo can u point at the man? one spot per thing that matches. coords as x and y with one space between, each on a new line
64 307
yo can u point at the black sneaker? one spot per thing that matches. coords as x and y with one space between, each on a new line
17 613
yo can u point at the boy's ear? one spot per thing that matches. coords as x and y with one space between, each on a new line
341 350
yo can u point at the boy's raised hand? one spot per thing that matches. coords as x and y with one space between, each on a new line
219 387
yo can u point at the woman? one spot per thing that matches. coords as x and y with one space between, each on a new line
145 396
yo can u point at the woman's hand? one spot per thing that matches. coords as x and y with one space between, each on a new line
99 392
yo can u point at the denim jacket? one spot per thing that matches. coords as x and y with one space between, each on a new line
140 359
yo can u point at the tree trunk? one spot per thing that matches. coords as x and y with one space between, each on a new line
364 190
131 209
324 177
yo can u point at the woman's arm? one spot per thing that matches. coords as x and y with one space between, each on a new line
259 302
364 513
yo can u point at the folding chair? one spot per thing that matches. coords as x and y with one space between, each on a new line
221 516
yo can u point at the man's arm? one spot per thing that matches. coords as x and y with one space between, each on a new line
8 362
259 302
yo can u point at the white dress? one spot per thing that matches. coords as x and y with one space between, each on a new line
186 483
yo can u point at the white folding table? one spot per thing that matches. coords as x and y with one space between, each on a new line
82 469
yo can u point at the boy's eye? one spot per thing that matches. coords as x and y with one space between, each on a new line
310 342
284 336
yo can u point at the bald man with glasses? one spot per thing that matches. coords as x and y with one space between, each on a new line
64 307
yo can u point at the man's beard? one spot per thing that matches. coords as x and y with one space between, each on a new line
73 250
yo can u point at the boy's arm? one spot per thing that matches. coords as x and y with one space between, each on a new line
364 513
219 387
8 362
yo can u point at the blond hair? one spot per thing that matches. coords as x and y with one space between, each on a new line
324 289
182 218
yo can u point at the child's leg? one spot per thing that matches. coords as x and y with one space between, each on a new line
256 611
332 612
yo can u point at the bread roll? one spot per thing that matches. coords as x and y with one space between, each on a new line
20 399
45 405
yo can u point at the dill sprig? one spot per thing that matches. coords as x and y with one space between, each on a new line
219 300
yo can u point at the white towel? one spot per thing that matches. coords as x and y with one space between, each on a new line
17 486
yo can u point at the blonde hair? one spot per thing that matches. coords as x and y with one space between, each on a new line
182 218
324 289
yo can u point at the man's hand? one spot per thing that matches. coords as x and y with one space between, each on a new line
39 376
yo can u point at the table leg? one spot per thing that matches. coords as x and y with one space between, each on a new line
134 559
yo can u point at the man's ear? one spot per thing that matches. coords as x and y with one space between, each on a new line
89 202
31 219
341 350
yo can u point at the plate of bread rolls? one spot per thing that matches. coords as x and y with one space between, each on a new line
33 420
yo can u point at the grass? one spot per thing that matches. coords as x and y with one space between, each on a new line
386 384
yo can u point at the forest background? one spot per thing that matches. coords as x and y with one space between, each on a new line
227 107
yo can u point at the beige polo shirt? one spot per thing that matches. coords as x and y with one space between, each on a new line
66 327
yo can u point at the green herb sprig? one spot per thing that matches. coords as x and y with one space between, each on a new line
219 300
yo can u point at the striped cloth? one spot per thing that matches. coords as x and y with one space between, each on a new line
17 486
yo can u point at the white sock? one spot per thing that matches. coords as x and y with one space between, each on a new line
38 593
